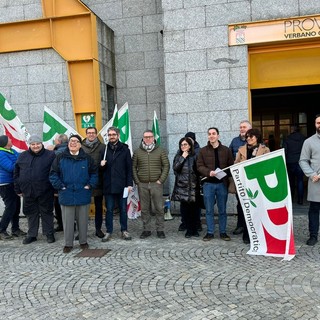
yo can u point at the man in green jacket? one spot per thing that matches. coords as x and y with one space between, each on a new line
150 171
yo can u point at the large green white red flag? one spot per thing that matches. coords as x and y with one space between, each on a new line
13 127
263 188
53 125
156 129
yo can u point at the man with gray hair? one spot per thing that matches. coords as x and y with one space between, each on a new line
235 144
31 181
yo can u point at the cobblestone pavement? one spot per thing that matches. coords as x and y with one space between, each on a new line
173 278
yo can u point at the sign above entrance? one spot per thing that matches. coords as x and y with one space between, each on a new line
274 31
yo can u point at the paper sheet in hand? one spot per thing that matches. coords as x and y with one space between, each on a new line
219 173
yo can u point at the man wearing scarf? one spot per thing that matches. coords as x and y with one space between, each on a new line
150 171
91 145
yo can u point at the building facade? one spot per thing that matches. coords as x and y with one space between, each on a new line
178 57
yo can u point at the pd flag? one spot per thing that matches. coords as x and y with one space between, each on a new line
53 125
263 188
13 127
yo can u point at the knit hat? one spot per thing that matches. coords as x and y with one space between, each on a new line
191 135
3 141
75 136
34 139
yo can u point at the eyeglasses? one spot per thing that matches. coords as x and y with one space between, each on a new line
184 144
147 137
250 137
91 133
112 134
74 141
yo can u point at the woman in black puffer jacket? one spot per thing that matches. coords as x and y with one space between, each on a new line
186 183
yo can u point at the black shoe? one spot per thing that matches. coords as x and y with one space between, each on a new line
188 235
208 237
312 241
5 236
196 234
238 230
246 241
145 234
182 227
84 246
18 233
161 235
225 237
67 249
50 238
28 240
99 234
58 229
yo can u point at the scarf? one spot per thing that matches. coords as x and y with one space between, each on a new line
149 147
90 144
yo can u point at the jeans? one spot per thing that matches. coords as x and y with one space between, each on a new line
122 205
313 214
12 208
212 193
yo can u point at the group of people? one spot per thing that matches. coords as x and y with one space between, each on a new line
65 179
202 169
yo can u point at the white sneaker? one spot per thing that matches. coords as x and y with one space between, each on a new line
107 237
126 235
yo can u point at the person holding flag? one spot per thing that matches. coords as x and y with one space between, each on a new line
116 164
253 148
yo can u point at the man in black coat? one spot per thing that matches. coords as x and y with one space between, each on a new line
31 181
117 181
292 146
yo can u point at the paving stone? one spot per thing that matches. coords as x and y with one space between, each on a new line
173 278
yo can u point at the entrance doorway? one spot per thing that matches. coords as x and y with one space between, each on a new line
274 110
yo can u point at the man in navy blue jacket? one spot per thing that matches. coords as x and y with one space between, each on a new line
31 181
117 165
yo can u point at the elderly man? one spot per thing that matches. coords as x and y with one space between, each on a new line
74 175
235 144
150 171
31 181
310 165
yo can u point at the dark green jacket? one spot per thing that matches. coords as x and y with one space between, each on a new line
150 166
